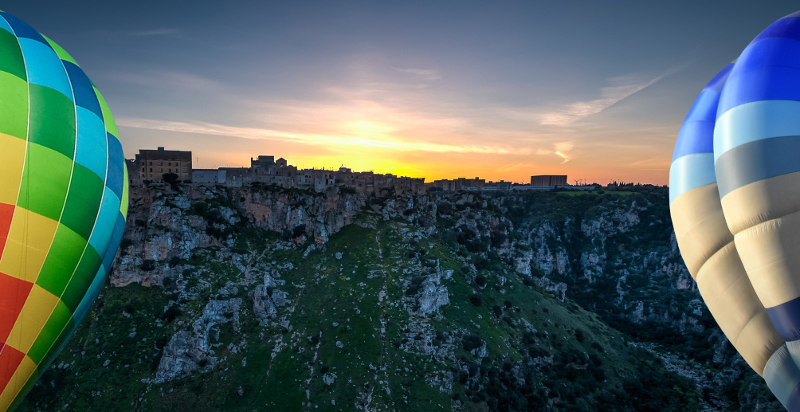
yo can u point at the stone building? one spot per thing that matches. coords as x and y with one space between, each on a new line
134 175
549 180
154 164
205 176
234 176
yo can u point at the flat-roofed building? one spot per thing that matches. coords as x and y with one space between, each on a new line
549 180
232 176
205 176
154 164
263 164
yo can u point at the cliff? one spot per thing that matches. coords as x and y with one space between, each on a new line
264 298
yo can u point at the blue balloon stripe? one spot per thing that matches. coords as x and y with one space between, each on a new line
705 106
116 239
83 89
91 294
767 70
108 259
4 25
786 318
116 163
787 27
782 375
690 172
755 161
718 82
697 131
91 145
106 219
22 29
44 67
756 121
696 136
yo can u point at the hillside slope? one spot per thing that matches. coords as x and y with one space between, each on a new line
222 299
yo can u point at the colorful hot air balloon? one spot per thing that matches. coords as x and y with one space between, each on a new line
63 201
735 176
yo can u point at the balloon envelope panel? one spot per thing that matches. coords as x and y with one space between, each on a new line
63 201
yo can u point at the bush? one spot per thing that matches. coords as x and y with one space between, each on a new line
148 265
415 285
475 299
497 310
299 230
171 313
170 178
471 342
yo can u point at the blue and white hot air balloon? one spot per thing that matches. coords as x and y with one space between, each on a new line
735 203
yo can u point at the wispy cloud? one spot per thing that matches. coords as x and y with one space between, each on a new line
562 150
618 89
162 79
425 74
387 143
155 32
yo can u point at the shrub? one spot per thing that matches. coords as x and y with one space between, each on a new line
471 342
148 265
475 299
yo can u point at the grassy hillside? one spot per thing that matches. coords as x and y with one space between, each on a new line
348 333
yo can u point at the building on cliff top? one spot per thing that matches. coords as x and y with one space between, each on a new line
549 180
154 164
151 165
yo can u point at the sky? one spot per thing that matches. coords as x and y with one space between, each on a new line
435 89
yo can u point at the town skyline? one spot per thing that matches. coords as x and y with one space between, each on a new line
155 164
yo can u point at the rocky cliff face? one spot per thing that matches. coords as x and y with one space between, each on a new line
259 297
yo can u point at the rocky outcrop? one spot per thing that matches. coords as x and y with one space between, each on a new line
189 350
433 294
267 298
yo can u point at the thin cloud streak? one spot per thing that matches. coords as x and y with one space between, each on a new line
619 88
426 74
310 139
168 80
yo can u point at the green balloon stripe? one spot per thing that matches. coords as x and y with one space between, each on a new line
13 105
11 55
